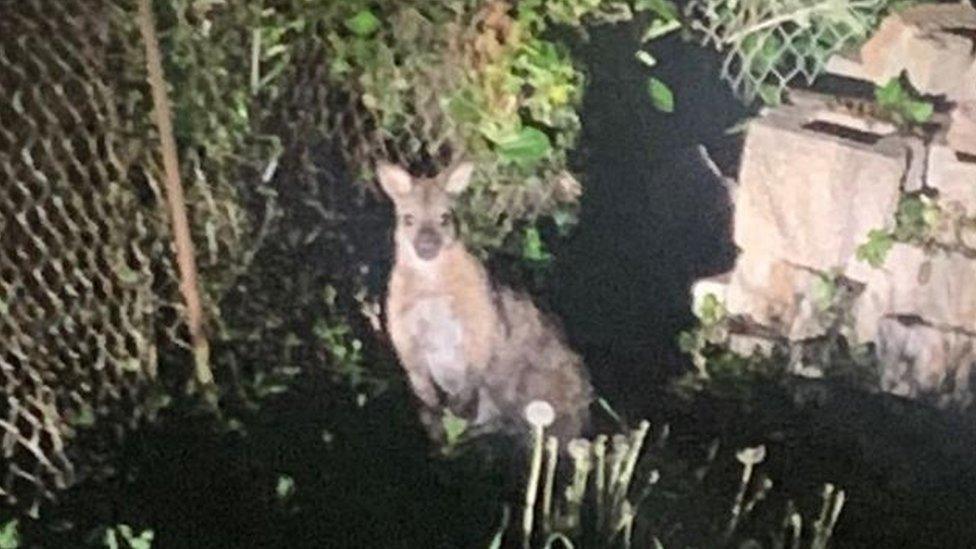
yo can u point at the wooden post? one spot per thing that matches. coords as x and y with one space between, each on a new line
183 243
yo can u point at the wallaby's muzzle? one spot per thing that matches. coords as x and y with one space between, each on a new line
427 243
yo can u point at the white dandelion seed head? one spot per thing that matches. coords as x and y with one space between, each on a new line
540 413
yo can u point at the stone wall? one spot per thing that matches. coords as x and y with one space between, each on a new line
815 179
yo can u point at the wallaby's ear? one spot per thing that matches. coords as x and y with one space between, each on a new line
458 178
395 180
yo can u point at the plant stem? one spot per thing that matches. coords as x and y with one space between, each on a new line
552 453
532 486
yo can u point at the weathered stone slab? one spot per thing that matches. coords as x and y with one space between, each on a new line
750 344
774 294
808 196
954 176
928 41
938 288
961 135
924 362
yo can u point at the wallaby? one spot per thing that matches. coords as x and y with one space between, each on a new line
483 352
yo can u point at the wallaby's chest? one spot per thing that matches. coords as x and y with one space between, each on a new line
435 330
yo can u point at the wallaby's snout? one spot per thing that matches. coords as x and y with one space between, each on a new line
428 242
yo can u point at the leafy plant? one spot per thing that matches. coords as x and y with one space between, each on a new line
711 330
902 106
916 221
345 350
10 535
875 250
618 481
285 488
661 95
454 429
122 536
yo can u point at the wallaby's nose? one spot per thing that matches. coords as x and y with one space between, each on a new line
427 243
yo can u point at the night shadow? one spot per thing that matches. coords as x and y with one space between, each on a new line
653 217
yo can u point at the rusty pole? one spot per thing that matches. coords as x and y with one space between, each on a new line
182 241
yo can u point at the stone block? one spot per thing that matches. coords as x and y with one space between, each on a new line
929 41
809 192
749 345
937 287
954 175
775 295
961 135
924 362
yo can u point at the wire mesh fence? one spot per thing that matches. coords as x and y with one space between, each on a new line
87 285
769 44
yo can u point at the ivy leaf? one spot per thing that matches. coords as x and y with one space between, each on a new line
919 111
454 427
661 95
363 23
824 292
527 146
532 247
876 248
285 487
645 58
10 535
890 94
659 28
665 9
688 342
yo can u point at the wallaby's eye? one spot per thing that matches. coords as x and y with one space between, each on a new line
445 219
408 220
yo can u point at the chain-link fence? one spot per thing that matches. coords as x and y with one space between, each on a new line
770 43
88 291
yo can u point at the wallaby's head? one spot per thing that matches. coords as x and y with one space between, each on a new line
424 208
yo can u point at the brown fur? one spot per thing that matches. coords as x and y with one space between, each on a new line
484 353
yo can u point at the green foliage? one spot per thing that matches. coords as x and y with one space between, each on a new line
485 80
345 362
902 106
661 95
477 80
533 249
712 330
122 536
774 358
10 535
285 488
916 221
622 486
363 23
875 250
454 429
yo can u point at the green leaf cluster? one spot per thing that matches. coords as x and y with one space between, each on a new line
120 536
345 359
10 535
916 221
902 106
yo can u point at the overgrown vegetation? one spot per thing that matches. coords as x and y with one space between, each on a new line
281 108
617 487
